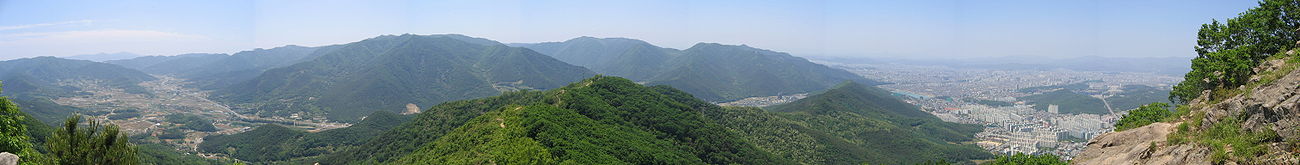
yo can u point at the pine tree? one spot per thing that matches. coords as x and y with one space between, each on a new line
93 144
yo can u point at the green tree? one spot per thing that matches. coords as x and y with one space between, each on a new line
94 143
13 133
1227 51
1024 159
1142 116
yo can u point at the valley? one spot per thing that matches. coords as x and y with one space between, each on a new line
149 114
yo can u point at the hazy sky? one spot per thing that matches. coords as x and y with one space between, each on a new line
900 29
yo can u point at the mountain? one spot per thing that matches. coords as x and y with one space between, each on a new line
51 77
852 124
101 57
628 58
388 72
272 142
600 120
212 71
713 72
717 72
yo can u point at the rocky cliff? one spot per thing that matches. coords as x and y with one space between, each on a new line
1258 123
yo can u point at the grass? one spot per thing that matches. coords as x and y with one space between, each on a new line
1226 139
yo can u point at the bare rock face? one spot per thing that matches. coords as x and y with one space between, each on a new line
1142 145
1274 105
8 158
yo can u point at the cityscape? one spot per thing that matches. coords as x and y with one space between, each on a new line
948 92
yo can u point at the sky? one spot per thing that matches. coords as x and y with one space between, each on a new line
850 28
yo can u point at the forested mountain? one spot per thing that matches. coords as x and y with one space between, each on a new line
270 143
852 124
717 72
713 72
628 58
389 72
212 71
601 120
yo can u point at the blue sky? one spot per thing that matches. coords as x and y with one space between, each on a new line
896 29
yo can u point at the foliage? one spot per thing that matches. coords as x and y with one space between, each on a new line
172 134
14 136
426 127
1147 114
46 111
192 122
1227 51
93 143
1024 159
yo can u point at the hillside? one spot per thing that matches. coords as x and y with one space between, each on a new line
212 71
388 72
854 123
271 143
713 72
600 120
628 58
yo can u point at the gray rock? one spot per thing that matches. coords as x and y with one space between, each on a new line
8 158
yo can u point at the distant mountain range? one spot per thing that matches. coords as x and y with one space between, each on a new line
713 72
495 103
343 82
214 71
101 57
55 77
1173 66
389 72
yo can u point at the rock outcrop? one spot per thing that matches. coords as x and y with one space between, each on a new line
1142 145
8 158
1271 106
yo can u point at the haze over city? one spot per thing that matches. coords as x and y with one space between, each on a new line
884 29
